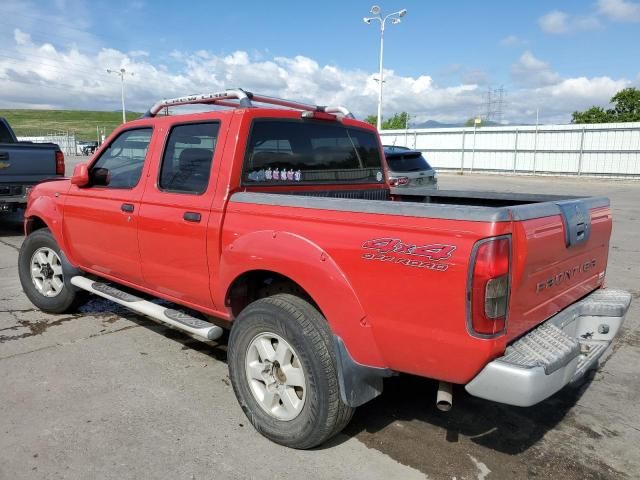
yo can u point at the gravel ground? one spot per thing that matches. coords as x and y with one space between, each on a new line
108 394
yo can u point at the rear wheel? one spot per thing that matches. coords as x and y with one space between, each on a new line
284 372
42 275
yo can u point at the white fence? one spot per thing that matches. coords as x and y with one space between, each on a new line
610 149
66 142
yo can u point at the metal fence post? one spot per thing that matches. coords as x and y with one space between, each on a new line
581 151
515 152
473 152
535 148
415 139
462 153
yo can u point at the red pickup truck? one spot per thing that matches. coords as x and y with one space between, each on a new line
275 219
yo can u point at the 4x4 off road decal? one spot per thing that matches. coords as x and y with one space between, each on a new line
384 250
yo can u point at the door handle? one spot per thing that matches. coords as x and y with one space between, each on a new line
127 207
4 155
192 217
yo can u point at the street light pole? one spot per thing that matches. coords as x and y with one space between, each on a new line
380 77
395 19
121 73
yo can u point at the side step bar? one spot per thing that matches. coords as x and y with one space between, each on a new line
175 318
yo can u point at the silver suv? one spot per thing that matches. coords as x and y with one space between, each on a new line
408 168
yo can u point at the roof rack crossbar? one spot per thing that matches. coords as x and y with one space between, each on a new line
244 100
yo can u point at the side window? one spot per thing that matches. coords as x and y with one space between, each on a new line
5 136
186 163
120 165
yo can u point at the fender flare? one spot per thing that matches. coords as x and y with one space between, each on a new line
47 210
307 264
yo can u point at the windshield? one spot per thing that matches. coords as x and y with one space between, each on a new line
303 151
409 162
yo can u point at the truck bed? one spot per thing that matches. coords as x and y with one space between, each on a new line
22 165
554 263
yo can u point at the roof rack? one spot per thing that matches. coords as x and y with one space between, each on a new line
239 98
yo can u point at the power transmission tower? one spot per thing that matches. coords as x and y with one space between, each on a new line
494 104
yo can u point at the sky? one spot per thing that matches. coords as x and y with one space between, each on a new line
553 57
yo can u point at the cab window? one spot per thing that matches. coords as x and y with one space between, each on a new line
120 164
187 159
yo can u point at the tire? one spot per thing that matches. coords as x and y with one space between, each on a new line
61 297
321 413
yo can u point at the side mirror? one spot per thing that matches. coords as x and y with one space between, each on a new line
80 176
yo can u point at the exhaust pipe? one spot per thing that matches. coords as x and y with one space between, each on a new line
444 398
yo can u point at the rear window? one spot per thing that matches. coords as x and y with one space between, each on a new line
299 151
410 162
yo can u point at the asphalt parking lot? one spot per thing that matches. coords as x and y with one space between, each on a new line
108 394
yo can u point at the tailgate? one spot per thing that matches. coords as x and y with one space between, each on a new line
27 163
557 259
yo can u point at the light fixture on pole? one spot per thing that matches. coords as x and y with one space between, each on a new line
121 73
395 19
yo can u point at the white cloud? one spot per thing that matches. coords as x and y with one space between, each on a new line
557 22
620 10
554 22
512 41
138 53
35 74
586 22
20 37
530 71
539 86
556 102
475 76
68 21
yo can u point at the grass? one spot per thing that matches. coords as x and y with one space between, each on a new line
81 122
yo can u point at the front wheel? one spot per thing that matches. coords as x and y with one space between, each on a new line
41 274
284 373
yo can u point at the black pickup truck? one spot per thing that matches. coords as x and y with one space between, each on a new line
22 165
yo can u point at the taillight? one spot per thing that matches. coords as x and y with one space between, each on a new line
59 163
398 181
489 286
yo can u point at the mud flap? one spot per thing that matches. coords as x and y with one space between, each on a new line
69 271
358 383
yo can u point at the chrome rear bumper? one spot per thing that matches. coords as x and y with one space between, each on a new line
558 352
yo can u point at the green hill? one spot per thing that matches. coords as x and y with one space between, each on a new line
81 122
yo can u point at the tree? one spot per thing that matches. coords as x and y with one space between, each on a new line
592 115
372 119
627 105
626 108
397 122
